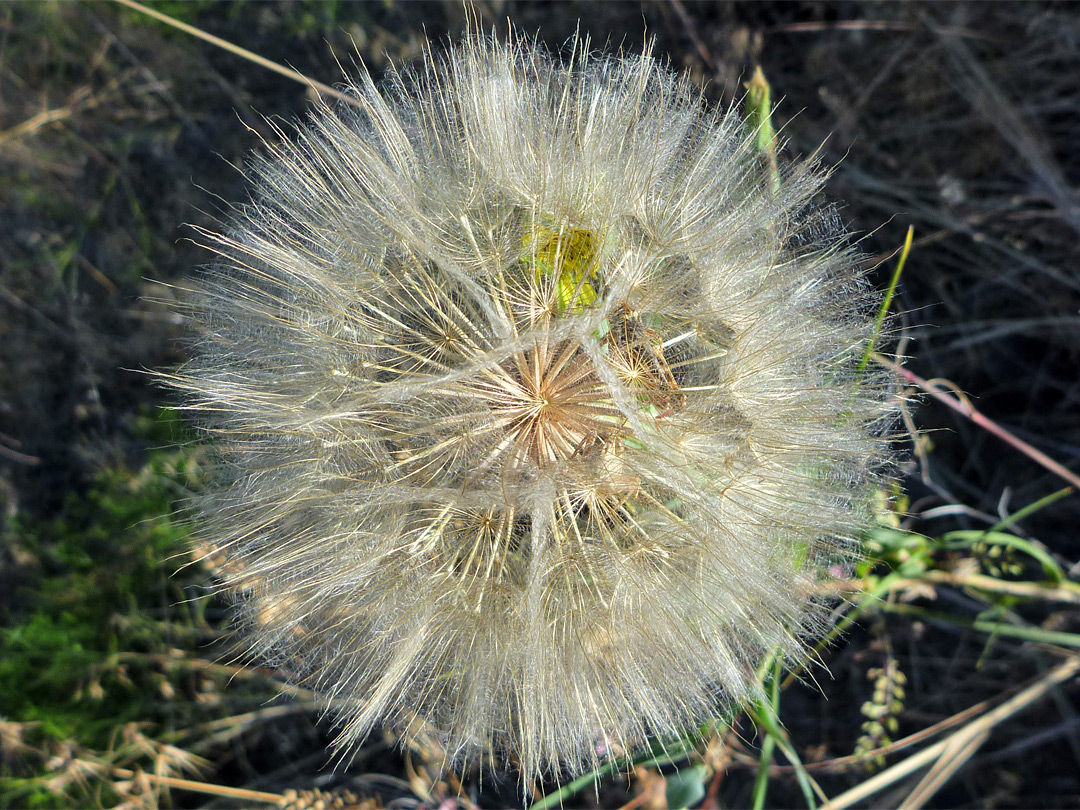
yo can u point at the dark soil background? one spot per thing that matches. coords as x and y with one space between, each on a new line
960 119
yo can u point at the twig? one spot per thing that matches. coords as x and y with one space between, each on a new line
238 51
962 406
688 24
883 25
15 455
204 787
841 764
958 750
980 582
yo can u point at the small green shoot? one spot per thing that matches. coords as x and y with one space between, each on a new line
759 119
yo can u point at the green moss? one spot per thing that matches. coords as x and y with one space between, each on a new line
102 577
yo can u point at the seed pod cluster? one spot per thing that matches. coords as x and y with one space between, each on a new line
536 403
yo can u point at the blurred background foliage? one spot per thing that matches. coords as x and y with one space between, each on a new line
120 685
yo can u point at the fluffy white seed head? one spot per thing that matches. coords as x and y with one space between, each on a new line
537 405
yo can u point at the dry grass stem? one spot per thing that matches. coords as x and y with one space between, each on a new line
951 753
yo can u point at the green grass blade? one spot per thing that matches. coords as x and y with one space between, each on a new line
1031 509
770 724
768 744
1034 634
668 752
883 311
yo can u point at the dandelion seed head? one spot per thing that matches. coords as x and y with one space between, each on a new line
536 405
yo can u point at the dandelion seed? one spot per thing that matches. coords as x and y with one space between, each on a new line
536 402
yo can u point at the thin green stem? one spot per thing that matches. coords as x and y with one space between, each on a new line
768 744
770 724
873 595
1035 634
676 750
883 310
1031 509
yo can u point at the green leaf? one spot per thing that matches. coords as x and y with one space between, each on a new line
686 788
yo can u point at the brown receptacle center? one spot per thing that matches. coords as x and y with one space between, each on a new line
547 402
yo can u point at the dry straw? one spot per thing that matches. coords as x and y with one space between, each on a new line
538 405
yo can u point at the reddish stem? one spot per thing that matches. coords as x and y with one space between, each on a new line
962 406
